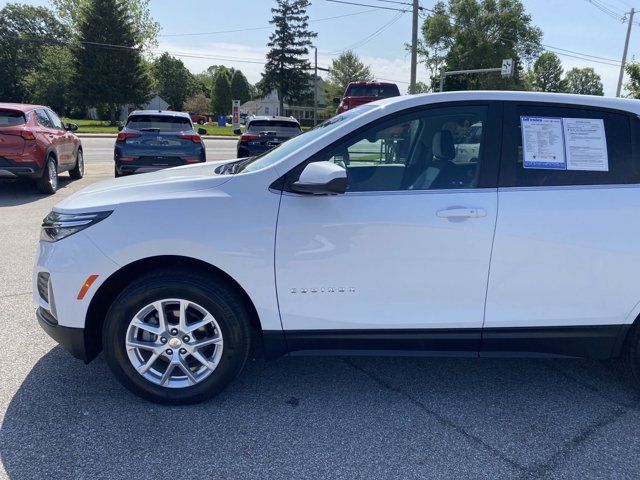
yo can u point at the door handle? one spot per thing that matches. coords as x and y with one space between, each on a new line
462 213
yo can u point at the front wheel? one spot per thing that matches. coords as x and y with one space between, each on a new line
175 337
78 171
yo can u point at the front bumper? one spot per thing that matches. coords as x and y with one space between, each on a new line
71 339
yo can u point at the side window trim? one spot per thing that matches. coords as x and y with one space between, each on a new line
491 146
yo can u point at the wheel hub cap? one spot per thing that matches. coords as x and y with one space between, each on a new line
175 343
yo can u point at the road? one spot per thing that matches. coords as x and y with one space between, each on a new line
302 418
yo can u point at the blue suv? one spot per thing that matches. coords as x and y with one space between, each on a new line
152 140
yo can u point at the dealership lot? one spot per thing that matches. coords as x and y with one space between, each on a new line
296 417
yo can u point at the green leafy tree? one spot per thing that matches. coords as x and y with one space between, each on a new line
345 69
547 73
470 34
633 86
287 68
584 81
240 87
50 83
173 81
24 29
222 93
146 28
105 75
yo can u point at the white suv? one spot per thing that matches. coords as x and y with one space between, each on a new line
364 235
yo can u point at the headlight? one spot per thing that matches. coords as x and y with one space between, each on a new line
57 226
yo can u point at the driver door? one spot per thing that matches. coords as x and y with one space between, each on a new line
401 260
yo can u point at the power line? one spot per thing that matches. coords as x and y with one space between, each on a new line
368 5
361 42
263 28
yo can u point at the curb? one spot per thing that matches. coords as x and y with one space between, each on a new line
113 135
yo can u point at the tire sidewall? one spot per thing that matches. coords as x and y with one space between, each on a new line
208 295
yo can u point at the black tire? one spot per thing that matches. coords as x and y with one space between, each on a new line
48 182
631 353
215 296
116 173
77 172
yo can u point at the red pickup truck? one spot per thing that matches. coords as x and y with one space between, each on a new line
359 93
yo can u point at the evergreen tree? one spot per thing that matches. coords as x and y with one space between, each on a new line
222 93
240 87
287 68
105 75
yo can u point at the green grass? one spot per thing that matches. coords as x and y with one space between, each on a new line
99 126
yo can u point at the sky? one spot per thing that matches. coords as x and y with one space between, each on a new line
235 33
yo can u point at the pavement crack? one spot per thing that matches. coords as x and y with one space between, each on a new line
542 471
443 420
11 295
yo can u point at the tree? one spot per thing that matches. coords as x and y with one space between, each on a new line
24 30
633 86
547 73
147 29
173 81
222 93
50 83
287 68
470 34
584 81
105 75
198 103
240 87
345 69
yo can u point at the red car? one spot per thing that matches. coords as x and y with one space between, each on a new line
34 143
359 93
197 118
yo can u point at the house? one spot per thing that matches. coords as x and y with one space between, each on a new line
156 103
270 105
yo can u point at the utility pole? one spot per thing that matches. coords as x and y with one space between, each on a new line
624 53
414 47
315 89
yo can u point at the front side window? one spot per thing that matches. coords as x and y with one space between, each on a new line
547 145
43 118
435 148
55 120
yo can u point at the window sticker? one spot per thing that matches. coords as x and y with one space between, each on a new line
585 144
543 143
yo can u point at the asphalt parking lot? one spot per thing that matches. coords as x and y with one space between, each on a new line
352 418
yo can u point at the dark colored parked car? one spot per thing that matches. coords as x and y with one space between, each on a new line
359 93
152 140
34 143
264 133
197 118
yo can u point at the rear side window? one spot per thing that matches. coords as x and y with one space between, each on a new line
566 145
162 123
43 118
9 118
375 91
279 127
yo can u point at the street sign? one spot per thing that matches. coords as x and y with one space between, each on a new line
235 114
507 67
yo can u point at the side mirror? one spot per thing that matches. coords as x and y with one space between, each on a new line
336 101
321 178
202 131
120 127
237 131
71 127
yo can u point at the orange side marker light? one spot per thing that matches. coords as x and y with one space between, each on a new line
86 286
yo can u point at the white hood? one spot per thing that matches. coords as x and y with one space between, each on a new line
163 184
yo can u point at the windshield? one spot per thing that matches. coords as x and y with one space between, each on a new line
10 118
279 127
274 155
162 123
